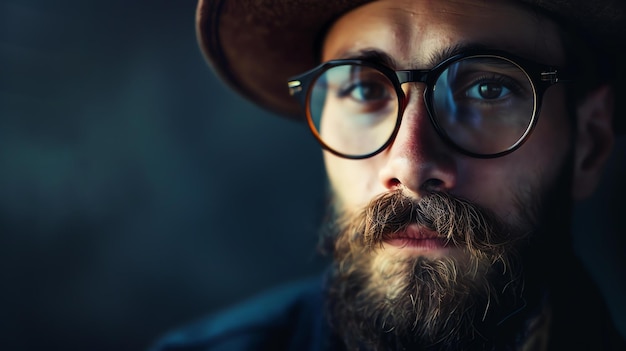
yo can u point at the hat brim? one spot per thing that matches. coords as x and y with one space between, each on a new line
256 45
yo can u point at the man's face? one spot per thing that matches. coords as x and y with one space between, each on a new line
411 32
418 164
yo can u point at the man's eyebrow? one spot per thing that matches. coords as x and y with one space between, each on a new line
446 53
371 55
381 57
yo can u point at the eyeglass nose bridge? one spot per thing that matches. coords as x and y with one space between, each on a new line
413 76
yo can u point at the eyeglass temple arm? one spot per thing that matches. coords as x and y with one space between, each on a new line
296 89
553 75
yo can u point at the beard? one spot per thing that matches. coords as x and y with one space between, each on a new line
381 301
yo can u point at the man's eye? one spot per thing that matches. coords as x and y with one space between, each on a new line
365 92
488 91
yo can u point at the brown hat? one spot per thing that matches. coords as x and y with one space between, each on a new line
256 45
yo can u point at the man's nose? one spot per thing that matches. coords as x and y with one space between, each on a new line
418 159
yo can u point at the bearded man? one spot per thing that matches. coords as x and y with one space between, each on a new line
457 135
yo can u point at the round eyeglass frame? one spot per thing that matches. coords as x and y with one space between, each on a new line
540 76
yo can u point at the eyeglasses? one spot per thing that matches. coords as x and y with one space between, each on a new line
483 104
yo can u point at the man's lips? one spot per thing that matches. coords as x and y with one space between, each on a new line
417 237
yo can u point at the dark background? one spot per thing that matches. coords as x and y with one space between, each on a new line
137 193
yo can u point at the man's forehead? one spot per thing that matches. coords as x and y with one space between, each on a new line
417 32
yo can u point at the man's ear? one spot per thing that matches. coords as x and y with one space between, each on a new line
594 140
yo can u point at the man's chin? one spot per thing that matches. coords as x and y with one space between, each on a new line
406 299
411 275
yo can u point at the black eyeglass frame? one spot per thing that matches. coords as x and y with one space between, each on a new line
541 77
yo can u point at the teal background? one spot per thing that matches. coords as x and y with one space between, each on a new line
138 193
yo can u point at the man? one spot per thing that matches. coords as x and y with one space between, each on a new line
457 135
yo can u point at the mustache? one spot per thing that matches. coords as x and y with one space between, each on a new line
460 222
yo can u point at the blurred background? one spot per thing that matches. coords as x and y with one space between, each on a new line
137 193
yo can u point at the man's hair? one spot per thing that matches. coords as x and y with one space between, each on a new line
589 64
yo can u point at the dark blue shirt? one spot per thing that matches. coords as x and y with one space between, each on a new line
292 318
288 318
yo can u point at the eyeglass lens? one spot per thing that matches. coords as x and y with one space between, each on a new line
484 105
